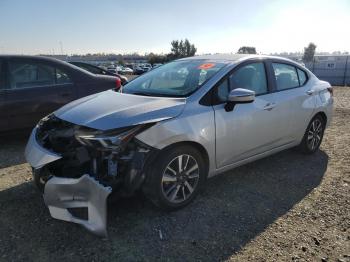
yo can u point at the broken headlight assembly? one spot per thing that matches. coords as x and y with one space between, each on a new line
111 140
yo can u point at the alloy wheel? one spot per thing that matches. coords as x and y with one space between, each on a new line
180 178
314 134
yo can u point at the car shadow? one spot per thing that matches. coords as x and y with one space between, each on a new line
230 211
12 148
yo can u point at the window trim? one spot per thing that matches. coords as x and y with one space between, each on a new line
273 77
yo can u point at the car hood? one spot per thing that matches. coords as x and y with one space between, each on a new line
110 110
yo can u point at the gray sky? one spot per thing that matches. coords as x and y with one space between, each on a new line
221 26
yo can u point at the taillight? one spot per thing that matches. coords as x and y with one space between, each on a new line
118 83
330 90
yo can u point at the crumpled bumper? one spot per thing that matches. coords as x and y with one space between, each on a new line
62 194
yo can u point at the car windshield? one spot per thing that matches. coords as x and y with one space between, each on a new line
175 79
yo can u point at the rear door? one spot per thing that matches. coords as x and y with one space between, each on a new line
35 89
292 96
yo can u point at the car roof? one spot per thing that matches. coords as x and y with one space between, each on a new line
232 58
40 58
36 57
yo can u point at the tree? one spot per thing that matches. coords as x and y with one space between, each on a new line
309 53
154 58
121 62
247 50
182 48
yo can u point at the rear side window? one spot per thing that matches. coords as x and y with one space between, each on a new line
286 76
302 77
62 77
28 75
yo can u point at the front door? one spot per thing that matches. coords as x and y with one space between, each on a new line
249 129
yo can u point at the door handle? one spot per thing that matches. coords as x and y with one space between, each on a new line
310 92
269 106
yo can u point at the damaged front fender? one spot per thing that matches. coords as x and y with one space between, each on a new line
62 194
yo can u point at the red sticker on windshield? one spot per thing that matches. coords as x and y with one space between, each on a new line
206 66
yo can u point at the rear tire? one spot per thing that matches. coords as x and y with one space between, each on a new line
175 178
313 135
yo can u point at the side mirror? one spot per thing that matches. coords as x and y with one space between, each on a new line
239 96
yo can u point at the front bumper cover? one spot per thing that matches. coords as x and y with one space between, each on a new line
62 194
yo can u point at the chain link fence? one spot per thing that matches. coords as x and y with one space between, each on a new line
334 69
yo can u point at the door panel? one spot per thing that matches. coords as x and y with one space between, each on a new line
248 130
298 107
28 106
3 112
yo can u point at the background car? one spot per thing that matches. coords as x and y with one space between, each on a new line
112 70
34 86
126 70
156 65
99 71
139 70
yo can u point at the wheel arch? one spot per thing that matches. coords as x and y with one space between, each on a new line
201 149
323 115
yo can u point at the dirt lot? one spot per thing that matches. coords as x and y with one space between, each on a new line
287 207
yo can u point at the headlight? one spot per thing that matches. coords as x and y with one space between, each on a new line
108 140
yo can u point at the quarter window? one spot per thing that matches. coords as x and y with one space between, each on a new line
286 76
302 77
27 75
62 77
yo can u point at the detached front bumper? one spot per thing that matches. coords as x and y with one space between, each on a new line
62 195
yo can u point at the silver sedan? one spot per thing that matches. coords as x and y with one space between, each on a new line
170 129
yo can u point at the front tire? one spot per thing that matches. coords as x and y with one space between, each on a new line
175 178
313 135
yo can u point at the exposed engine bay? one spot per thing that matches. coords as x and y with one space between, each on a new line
90 165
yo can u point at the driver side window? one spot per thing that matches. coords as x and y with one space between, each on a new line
251 76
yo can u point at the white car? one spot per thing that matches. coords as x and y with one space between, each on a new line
127 70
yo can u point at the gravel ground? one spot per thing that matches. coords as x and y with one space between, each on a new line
287 207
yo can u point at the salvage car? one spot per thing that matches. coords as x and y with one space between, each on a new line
168 130
33 86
